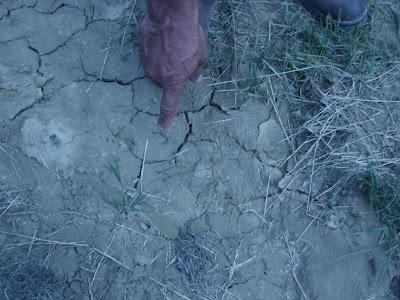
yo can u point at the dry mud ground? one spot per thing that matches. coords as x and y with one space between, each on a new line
96 204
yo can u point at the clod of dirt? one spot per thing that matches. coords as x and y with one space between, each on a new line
333 222
164 226
271 140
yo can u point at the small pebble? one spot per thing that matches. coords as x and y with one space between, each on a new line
143 226
333 222
81 170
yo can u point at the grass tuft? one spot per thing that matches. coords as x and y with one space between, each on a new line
124 198
384 197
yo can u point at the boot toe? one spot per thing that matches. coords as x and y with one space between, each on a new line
346 12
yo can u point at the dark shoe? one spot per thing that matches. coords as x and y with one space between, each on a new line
346 12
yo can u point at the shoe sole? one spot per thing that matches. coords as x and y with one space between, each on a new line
322 17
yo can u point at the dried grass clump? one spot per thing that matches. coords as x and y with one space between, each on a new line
28 279
197 260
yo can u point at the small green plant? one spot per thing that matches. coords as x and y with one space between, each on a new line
125 199
384 197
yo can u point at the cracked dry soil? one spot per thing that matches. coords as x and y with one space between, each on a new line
75 104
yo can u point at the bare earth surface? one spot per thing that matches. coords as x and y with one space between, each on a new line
203 213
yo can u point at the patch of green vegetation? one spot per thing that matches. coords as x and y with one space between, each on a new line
124 198
352 50
384 197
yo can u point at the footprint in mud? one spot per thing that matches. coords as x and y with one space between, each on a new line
48 142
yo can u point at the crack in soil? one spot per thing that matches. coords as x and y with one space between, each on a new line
188 134
24 109
9 11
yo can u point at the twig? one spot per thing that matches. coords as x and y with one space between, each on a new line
30 247
298 284
126 26
113 259
168 288
8 207
105 59
101 260
132 230
45 240
142 170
